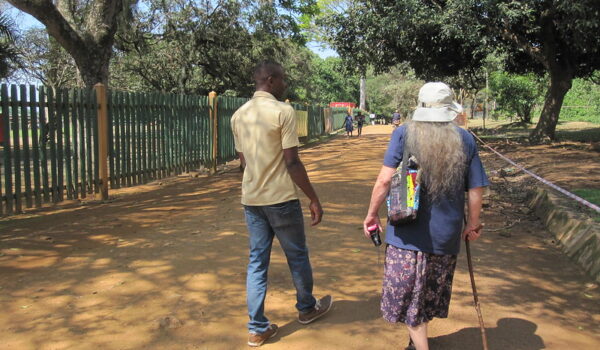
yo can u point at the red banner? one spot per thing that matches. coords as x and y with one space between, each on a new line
342 104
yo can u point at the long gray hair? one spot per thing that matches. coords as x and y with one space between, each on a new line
440 153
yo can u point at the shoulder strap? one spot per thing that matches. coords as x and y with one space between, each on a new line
403 169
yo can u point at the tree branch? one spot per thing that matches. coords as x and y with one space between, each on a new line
522 42
56 24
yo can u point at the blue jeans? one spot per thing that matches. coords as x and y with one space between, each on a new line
285 221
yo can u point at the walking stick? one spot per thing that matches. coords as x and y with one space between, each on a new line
475 296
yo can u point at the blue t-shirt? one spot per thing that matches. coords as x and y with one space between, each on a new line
438 226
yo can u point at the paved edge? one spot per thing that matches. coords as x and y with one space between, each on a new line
577 234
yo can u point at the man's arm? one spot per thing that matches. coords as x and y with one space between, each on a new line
380 191
298 174
473 228
242 161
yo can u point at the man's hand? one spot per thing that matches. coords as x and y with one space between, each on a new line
316 213
369 221
472 231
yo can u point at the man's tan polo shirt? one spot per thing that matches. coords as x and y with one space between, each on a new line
262 128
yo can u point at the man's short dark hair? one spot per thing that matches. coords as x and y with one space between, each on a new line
265 69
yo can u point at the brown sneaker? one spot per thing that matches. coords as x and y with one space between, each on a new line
258 339
321 307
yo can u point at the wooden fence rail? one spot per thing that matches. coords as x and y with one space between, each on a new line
59 144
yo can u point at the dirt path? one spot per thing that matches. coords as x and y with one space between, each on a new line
101 276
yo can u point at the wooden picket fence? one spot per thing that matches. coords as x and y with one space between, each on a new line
71 143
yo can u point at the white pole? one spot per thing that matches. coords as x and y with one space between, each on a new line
363 94
487 86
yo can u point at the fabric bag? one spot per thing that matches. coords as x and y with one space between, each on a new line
403 198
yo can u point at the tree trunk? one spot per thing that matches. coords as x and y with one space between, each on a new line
94 68
561 80
88 41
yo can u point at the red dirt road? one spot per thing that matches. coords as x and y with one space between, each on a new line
103 275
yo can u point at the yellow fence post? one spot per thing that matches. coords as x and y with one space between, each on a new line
100 90
212 102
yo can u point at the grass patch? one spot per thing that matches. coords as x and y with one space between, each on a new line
565 130
592 196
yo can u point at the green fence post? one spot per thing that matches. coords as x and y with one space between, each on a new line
68 102
16 146
82 144
35 145
100 91
25 144
212 102
8 183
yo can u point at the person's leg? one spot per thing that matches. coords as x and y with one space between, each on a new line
418 335
261 241
288 224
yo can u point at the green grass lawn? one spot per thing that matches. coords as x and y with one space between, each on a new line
590 195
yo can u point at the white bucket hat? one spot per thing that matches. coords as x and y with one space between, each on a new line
436 104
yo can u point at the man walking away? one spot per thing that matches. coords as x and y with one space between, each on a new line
266 139
360 121
396 119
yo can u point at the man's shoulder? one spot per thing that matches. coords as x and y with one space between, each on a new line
242 108
284 106
270 103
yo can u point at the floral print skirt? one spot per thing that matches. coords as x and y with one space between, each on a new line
417 286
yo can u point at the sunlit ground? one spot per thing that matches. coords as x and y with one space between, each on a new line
104 276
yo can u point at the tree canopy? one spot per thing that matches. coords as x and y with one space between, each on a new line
44 59
84 28
193 47
168 44
394 90
8 52
441 39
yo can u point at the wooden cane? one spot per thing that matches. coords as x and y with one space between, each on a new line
475 296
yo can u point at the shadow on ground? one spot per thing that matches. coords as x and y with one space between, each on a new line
103 276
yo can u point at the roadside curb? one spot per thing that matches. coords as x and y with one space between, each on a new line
577 234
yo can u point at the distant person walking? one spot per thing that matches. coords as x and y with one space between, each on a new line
349 124
360 121
421 255
396 119
266 139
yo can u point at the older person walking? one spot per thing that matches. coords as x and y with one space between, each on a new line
421 255
266 139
